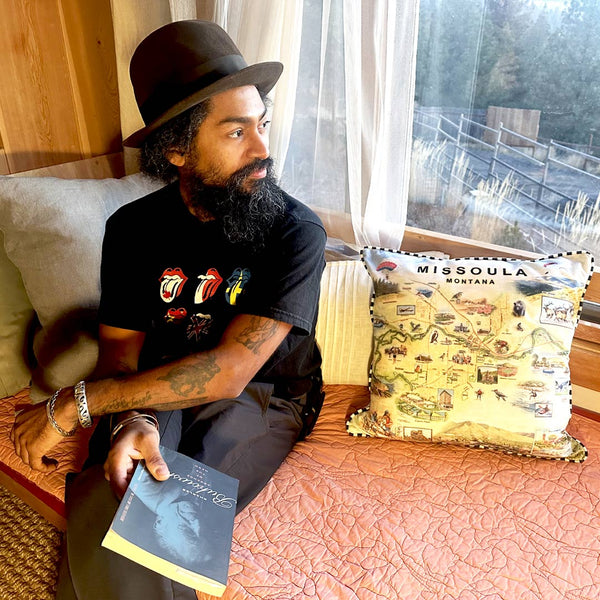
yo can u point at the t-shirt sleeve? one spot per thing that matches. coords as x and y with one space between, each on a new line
290 283
121 294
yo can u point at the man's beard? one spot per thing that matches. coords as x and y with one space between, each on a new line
247 214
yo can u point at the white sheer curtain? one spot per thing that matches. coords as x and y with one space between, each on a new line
133 20
342 121
350 146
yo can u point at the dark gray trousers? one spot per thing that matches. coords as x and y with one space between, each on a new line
247 437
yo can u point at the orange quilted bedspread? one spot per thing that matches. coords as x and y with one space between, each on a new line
355 518
49 488
373 519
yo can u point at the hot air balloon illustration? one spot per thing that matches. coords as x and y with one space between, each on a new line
386 267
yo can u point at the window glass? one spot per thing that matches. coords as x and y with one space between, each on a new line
506 144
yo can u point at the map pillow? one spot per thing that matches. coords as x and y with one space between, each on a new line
474 351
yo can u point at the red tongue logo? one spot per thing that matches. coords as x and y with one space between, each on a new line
175 315
171 283
208 285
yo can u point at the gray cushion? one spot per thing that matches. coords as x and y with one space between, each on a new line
16 315
53 231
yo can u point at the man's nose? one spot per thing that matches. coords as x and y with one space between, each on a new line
259 145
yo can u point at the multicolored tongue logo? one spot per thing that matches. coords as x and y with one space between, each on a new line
171 284
235 284
208 285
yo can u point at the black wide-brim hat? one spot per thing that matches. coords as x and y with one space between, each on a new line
183 63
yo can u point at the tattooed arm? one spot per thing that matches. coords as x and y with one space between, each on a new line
222 372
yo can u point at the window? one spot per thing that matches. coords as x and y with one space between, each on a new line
506 148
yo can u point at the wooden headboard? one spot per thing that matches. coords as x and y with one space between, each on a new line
98 167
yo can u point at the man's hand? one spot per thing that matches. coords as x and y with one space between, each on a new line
138 440
34 438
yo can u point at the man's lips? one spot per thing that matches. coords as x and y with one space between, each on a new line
258 174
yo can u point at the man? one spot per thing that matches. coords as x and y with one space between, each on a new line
209 300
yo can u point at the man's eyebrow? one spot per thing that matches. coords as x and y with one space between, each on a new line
242 120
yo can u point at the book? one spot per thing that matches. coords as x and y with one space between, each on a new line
181 528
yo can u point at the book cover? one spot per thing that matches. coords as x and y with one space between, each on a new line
182 527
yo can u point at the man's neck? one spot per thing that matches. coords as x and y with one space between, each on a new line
199 212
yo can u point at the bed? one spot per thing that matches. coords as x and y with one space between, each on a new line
344 517
347 518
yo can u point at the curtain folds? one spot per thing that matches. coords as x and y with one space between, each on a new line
342 111
351 141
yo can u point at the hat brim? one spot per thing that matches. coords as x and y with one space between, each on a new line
263 75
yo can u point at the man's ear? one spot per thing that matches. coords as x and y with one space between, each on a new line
176 158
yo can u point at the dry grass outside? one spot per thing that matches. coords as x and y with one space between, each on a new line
442 198
437 187
493 214
579 222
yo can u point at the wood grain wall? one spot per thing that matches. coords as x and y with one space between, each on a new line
58 84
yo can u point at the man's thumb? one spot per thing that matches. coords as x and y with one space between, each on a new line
157 467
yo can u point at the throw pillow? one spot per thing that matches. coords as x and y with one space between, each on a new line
344 324
474 351
16 316
53 230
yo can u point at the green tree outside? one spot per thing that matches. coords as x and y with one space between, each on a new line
517 54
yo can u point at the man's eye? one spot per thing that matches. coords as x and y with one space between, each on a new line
236 134
265 124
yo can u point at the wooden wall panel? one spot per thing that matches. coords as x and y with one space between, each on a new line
3 163
56 90
106 166
91 54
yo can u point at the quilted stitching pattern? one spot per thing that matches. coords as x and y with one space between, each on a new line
356 518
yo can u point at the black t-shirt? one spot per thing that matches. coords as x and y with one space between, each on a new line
181 282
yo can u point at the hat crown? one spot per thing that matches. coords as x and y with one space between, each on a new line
184 63
175 56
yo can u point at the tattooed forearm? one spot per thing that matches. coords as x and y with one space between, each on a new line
121 404
190 380
257 333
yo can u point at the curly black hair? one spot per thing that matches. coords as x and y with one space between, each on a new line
176 134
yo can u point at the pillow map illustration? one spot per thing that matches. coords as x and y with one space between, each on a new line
474 351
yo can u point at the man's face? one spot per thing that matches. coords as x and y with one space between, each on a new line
228 172
232 136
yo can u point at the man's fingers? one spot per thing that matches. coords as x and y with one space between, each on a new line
22 453
137 442
39 464
119 478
